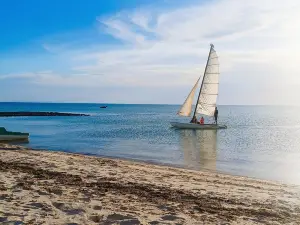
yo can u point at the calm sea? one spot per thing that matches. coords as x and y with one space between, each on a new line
261 141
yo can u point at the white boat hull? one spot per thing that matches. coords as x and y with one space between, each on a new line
198 126
13 137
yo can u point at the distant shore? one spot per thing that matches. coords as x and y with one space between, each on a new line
14 114
45 187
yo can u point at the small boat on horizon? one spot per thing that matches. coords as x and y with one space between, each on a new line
12 136
207 98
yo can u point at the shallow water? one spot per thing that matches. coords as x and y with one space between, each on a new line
261 141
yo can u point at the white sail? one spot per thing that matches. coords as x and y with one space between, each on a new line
186 108
210 85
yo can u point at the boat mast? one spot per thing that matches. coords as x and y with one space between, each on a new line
211 47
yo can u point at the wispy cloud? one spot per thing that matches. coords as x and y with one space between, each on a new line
17 75
171 42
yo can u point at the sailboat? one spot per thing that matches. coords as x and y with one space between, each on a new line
207 98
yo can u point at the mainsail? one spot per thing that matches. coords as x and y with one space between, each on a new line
186 108
207 99
208 94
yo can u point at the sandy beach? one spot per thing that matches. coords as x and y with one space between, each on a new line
43 187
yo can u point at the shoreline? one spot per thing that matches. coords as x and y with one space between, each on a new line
161 164
65 188
152 162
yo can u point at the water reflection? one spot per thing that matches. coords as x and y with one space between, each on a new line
199 148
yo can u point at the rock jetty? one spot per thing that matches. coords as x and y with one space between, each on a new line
13 114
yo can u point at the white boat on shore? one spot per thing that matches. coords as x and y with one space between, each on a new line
207 98
12 136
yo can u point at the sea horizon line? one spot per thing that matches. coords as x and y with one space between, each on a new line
117 103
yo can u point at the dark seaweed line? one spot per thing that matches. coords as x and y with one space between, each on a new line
148 192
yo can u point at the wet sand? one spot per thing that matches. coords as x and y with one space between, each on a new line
43 187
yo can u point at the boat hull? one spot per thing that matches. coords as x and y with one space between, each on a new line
198 126
13 137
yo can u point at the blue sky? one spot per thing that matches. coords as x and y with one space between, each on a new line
147 51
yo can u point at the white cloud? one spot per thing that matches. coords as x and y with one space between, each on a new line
257 42
172 45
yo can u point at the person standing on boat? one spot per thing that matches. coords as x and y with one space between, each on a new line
216 115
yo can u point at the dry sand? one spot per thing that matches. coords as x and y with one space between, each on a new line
42 187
